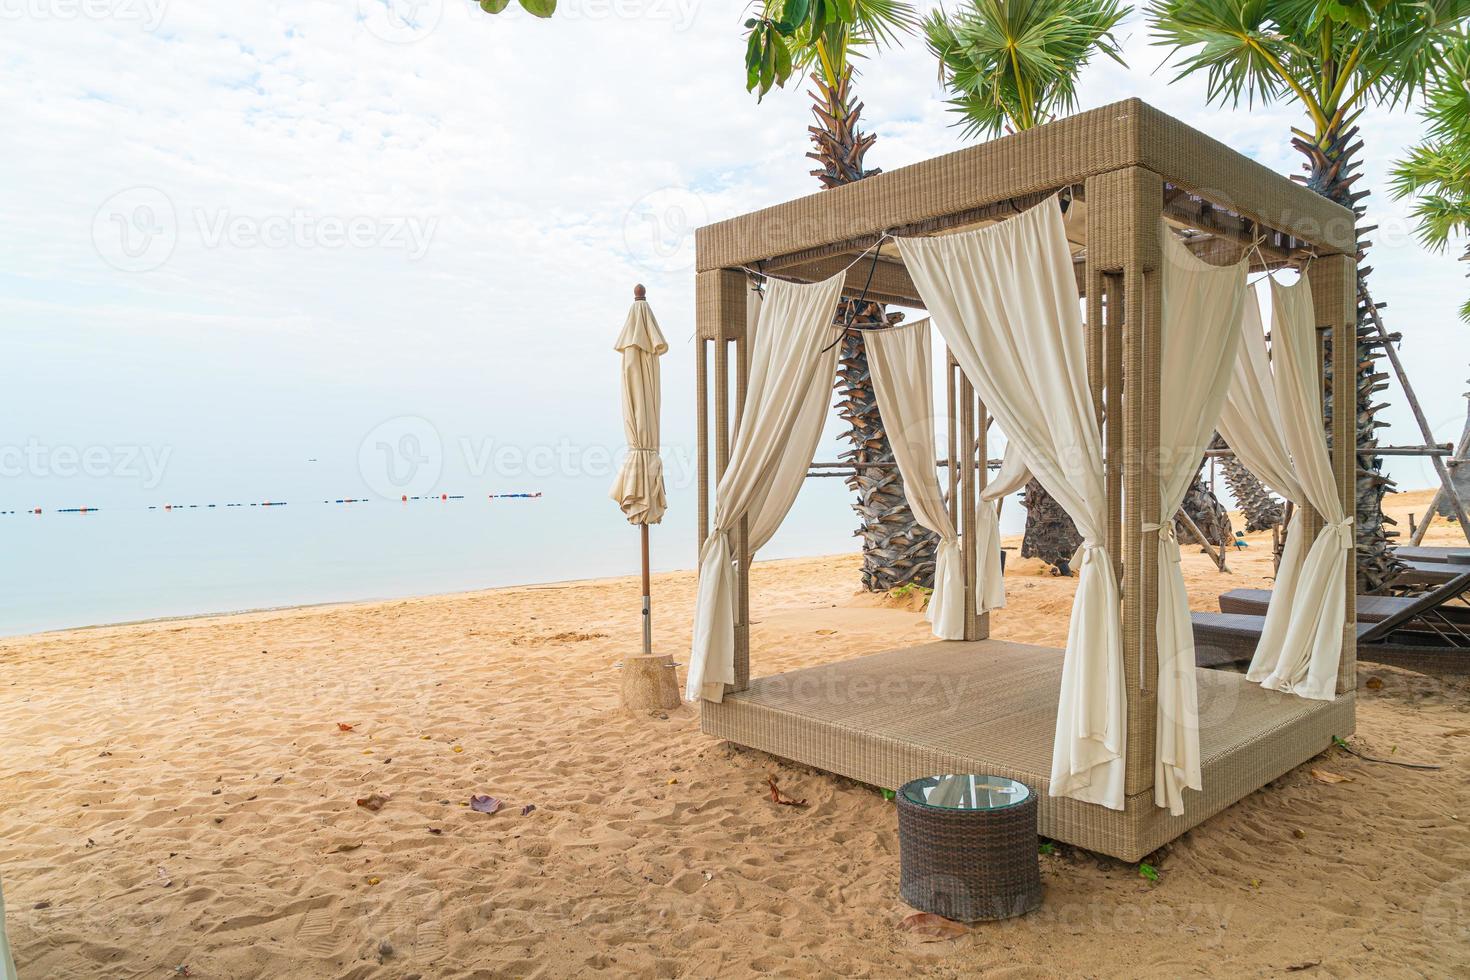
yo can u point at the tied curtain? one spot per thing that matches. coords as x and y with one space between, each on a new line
1010 478
793 362
1273 421
1005 300
7 965
1013 474
1202 306
903 382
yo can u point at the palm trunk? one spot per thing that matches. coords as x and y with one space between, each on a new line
1262 511
1051 535
1331 171
1208 514
896 549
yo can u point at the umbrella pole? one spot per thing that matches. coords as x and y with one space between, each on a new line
647 618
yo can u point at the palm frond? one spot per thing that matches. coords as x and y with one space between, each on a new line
1332 56
1440 218
859 24
883 22
1436 172
1237 44
1014 63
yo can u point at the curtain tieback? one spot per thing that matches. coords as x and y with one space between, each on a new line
1345 536
1167 537
1085 552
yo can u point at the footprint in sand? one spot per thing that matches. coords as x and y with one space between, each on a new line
317 933
413 920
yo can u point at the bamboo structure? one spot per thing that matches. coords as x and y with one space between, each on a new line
982 705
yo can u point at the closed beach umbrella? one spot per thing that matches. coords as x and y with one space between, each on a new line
639 487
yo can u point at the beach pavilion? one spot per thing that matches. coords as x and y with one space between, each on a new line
1146 229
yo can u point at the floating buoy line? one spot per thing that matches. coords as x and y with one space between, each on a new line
171 507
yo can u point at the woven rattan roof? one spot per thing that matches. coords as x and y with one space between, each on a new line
1212 190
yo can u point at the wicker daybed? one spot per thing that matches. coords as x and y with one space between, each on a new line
983 705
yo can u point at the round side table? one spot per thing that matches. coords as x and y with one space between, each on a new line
968 846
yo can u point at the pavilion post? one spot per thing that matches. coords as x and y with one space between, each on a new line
701 433
968 505
1334 281
720 314
1105 381
743 556
1124 208
982 477
952 439
1113 413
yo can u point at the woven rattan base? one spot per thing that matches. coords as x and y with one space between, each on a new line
969 865
990 707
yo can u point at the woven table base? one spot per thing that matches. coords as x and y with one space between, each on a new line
969 865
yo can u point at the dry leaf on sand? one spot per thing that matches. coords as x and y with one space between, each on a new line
484 804
1323 776
930 928
342 726
374 802
779 797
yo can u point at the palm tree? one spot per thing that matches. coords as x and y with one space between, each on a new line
1332 58
821 39
1012 65
1437 171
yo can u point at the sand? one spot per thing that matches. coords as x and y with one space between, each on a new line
180 794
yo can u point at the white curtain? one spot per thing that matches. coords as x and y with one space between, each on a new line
7 965
1005 300
1273 422
1010 478
1013 474
903 381
1200 337
793 360
1250 422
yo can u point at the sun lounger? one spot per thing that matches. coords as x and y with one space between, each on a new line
1371 608
1427 573
1421 635
1459 556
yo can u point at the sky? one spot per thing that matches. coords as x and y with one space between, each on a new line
364 246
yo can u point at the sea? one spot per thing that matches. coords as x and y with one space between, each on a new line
69 567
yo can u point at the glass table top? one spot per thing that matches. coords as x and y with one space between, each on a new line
966 791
